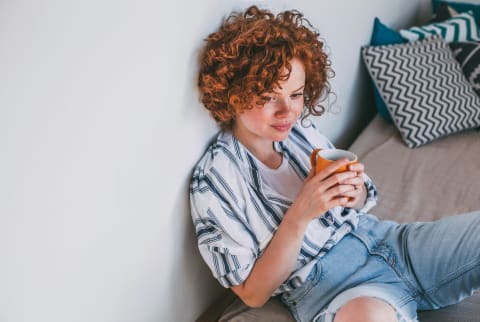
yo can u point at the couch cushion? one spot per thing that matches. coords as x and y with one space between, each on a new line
468 55
460 6
461 27
443 12
272 311
424 89
383 35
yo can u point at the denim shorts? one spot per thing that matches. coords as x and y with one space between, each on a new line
416 266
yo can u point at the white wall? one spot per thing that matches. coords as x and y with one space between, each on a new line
100 126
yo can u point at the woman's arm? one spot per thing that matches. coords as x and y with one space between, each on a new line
276 263
319 194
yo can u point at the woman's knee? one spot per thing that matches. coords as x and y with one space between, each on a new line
366 309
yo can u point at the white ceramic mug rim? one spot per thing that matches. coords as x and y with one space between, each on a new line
338 153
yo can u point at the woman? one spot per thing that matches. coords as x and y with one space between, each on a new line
267 225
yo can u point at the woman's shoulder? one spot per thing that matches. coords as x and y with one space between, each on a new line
221 156
219 175
307 132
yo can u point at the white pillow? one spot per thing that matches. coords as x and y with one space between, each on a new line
461 27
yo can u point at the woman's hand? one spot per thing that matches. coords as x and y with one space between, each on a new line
326 190
358 195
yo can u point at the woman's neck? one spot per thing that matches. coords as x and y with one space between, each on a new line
264 152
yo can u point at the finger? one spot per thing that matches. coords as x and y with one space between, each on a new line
311 174
351 202
357 166
337 178
332 167
335 202
353 193
338 191
355 181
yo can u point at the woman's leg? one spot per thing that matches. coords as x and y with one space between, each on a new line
372 302
440 260
347 272
366 309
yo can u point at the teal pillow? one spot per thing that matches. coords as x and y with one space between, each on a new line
383 35
460 7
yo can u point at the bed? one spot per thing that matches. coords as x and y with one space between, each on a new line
438 179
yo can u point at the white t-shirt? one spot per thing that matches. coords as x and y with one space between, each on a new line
284 180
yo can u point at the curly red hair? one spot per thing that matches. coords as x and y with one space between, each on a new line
245 57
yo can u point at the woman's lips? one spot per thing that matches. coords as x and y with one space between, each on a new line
282 127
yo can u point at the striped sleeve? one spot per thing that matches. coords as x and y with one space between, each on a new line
371 199
225 241
229 262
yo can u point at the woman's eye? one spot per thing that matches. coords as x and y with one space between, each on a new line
267 98
297 95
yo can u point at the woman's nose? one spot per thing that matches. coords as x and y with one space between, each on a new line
284 105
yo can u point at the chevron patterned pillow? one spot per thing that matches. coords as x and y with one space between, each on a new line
461 27
424 89
468 55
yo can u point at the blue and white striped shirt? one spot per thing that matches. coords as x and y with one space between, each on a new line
236 214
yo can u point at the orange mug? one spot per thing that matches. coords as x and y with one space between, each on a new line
321 158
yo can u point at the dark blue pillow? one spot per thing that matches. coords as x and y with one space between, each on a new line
383 35
441 13
460 7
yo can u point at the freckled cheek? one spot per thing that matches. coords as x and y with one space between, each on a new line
299 108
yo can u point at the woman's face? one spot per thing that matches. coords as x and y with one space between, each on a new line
274 120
